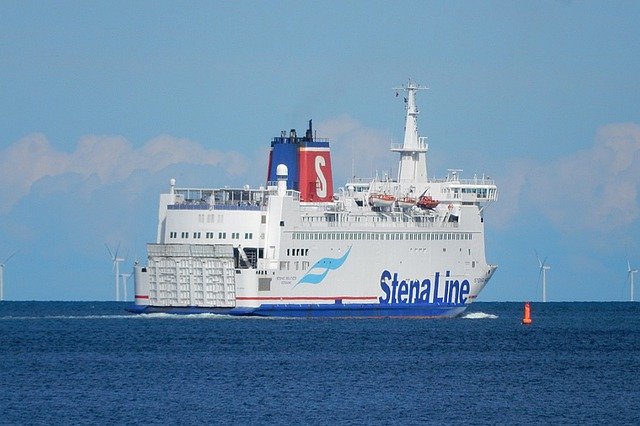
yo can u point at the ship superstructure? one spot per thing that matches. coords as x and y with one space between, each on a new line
412 246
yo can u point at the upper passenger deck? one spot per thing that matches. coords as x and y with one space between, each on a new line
224 198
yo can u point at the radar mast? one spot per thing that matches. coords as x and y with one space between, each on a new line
413 152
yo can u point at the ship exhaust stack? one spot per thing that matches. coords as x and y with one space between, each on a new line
308 160
309 135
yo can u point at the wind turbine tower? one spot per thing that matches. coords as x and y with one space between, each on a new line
543 271
2 276
125 277
630 273
116 268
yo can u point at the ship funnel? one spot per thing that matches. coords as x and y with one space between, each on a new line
308 162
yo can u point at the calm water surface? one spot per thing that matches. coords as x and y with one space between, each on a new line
90 362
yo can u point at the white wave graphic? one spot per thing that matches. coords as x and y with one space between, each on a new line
479 315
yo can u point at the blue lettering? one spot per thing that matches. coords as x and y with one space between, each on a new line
403 289
454 285
426 290
414 291
394 286
465 288
436 282
386 275
447 297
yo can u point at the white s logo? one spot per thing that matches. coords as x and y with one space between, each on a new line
321 189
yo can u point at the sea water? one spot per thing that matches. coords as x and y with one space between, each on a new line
91 362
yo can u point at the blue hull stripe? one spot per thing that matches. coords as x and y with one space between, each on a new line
316 310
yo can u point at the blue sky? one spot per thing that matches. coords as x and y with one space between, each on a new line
102 103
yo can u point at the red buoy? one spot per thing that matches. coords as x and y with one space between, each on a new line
527 314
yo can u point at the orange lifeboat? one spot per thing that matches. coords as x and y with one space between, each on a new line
406 202
427 202
381 200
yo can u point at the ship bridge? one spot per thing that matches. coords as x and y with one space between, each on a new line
478 189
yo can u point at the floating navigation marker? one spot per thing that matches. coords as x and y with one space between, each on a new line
630 273
543 273
526 319
4 262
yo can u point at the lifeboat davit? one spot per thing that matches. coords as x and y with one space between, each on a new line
381 200
427 202
406 202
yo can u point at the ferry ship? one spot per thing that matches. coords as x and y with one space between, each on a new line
410 247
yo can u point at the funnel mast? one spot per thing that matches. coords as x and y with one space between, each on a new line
413 152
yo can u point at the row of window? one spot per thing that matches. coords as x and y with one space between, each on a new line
365 219
211 235
297 252
210 218
412 236
286 265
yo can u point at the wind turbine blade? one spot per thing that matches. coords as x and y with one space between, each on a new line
540 276
628 265
544 262
10 256
109 251
538 257
117 250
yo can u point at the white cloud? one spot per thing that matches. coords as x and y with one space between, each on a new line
354 146
594 189
110 158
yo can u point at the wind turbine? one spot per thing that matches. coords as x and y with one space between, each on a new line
630 273
116 267
543 271
2 275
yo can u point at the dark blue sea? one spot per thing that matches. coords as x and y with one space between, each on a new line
91 362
